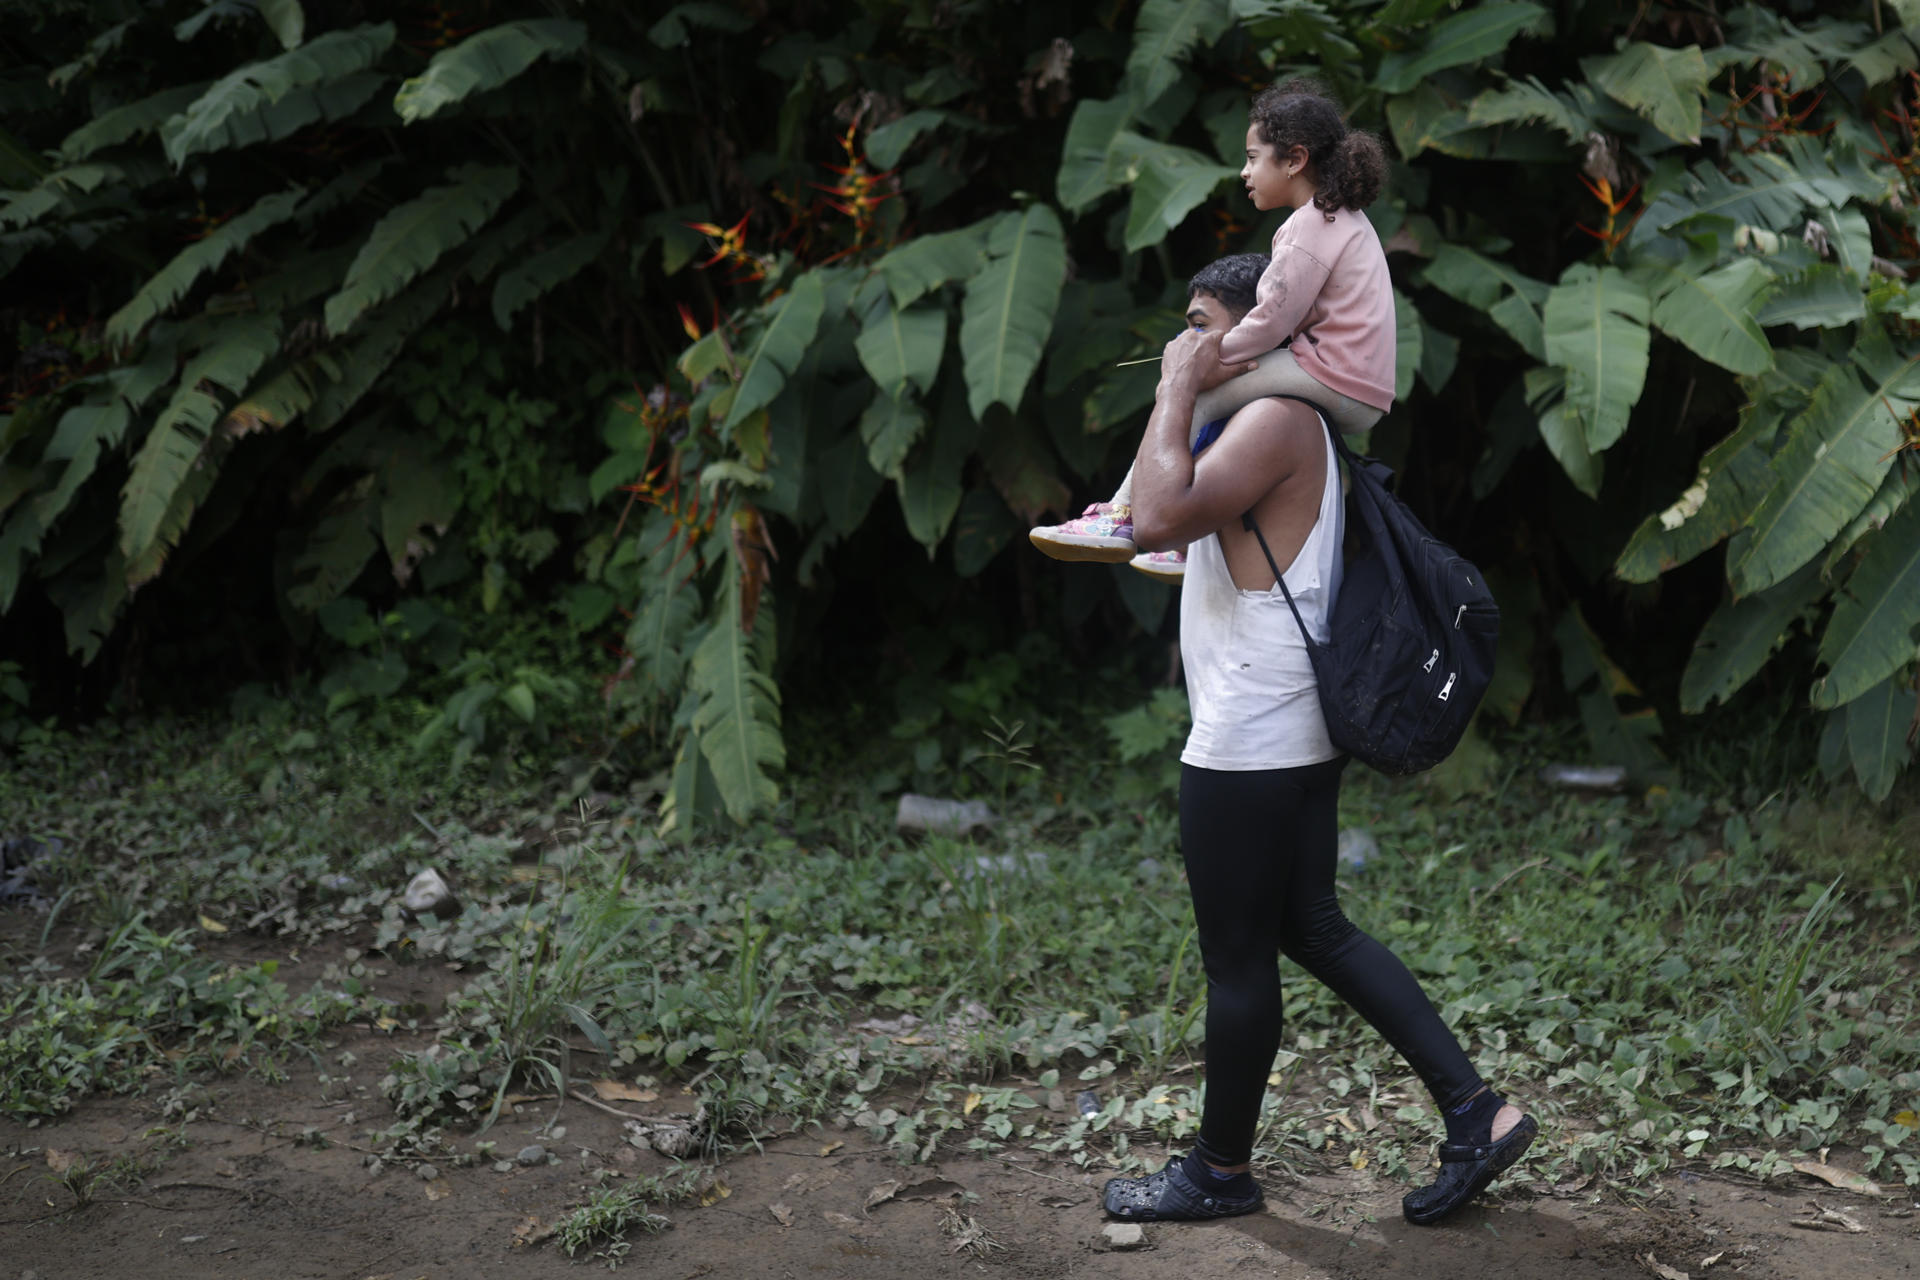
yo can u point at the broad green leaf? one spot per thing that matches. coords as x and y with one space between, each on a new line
1734 477
1527 101
1565 439
379 343
204 255
1760 189
287 20
179 436
1008 311
133 120
899 346
676 28
1163 34
485 60
1667 86
1739 638
1021 467
1891 55
240 107
657 638
847 483
737 719
1837 454
518 285
418 501
1872 632
1477 280
781 346
1085 158
1409 345
890 428
1168 183
981 529
1467 36
85 432
89 603
1901 485
412 238
886 144
1877 727
1596 330
1850 239
1439 354
1823 296
930 483
1712 314
1427 119
336 551
925 263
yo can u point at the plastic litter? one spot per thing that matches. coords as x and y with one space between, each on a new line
427 894
1585 777
1357 847
941 817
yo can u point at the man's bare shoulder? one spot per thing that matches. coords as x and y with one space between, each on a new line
1290 424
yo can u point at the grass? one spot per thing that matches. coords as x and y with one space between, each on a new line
1708 979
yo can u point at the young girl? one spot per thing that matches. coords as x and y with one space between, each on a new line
1325 294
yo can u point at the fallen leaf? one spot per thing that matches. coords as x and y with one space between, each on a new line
714 1194
1841 1178
530 1231
973 1100
912 1040
211 925
1346 1122
831 1147
880 1194
1661 1269
437 1190
60 1161
1358 1159
781 1214
385 1023
619 1091
1906 1119
845 1221
1712 1258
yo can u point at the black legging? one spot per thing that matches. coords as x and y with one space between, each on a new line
1259 849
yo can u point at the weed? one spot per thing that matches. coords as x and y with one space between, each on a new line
611 1213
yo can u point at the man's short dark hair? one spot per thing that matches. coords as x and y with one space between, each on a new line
1232 279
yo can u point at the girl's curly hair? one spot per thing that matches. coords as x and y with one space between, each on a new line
1349 164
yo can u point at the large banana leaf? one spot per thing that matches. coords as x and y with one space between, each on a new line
782 344
1667 86
1085 159
1823 296
287 19
1596 330
1009 306
240 106
1527 101
85 431
1163 34
410 239
1879 723
1901 485
1468 36
890 428
1560 428
1618 736
522 283
1740 637
1734 476
901 345
1837 455
927 262
1871 634
930 483
202 256
1712 313
130 121
1168 183
738 716
179 436
485 61
375 349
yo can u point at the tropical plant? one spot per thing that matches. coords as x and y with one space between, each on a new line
248 263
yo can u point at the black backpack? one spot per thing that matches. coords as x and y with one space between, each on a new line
1411 638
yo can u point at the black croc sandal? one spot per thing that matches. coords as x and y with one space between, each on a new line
1171 1196
1465 1172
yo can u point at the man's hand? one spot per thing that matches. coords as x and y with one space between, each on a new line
1191 362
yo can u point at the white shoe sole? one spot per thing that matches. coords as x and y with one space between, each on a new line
1082 547
1161 572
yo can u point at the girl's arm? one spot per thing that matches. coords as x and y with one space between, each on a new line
1287 289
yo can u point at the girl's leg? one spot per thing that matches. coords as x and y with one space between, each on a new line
1279 374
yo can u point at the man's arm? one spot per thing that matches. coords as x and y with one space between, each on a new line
1175 500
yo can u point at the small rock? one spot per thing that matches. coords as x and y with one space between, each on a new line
375 1166
556 1133
427 1173
1124 1235
1056 1100
503 1166
532 1155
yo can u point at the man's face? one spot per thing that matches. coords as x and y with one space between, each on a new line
1207 314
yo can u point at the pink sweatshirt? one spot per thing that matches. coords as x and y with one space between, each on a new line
1326 288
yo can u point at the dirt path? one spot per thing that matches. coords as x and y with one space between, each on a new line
272 1181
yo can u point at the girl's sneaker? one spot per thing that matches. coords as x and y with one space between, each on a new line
1102 533
1168 566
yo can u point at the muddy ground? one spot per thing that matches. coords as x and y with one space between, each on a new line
271 1181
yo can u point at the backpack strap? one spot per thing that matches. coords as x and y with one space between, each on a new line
1247 521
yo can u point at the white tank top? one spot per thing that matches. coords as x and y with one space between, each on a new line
1254 699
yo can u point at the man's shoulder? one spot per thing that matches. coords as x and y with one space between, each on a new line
1296 422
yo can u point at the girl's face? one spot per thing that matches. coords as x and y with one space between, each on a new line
1274 179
